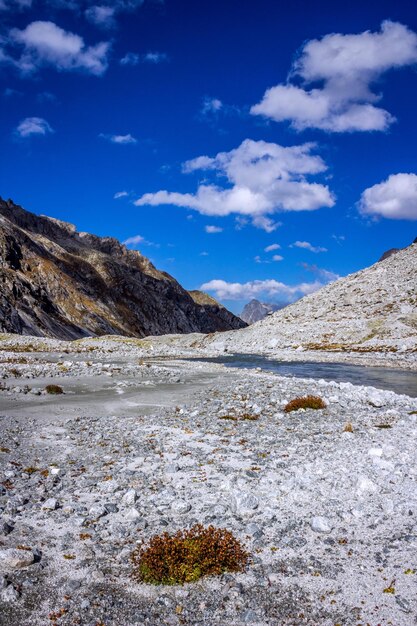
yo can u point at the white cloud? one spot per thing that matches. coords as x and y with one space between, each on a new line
277 257
136 240
204 253
33 126
43 44
394 198
155 57
272 247
10 5
264 178
120 194
265 223
326 275
210 106
306 245
213 229
337 73
120 139
133 58
270 287
101 15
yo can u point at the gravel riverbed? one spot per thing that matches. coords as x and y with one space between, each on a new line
136 447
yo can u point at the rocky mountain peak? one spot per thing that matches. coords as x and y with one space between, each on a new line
58 282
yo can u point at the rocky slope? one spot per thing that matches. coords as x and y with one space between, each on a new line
372 310
255 311
58 282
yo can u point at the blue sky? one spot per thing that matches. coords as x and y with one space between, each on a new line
257 149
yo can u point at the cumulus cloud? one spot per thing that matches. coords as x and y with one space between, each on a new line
264 178
252 289
306 245
133 58
33 126
336 74
213 229
277 257
394 198
120 194
272 247
120 139
43 44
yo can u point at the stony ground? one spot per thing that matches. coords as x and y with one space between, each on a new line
136 447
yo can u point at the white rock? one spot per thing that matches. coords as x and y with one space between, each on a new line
375 452
366 484
97 511
130 497
50 505
244 503
180 506
12 558
9 594
132 515
321 524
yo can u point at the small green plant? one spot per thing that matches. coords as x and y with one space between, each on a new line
54 390
188 555
307 402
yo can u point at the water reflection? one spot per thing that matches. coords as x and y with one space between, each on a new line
400 381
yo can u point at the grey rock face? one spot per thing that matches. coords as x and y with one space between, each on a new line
57 282
255 311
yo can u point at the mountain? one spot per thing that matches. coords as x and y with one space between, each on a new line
58 282
254 311
372 310
392 251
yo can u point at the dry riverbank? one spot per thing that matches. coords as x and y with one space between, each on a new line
135 447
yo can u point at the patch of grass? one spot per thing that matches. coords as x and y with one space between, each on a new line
383 426
55 390
188 555
31 470
306 402
412 413
348 428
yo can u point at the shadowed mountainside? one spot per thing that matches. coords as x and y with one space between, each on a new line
58 282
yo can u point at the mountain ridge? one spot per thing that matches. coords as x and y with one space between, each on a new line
58 282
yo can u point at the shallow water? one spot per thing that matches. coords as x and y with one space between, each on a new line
400 381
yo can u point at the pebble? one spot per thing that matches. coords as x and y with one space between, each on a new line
10 594
130 497
50 505
12 558
321 525
180 507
